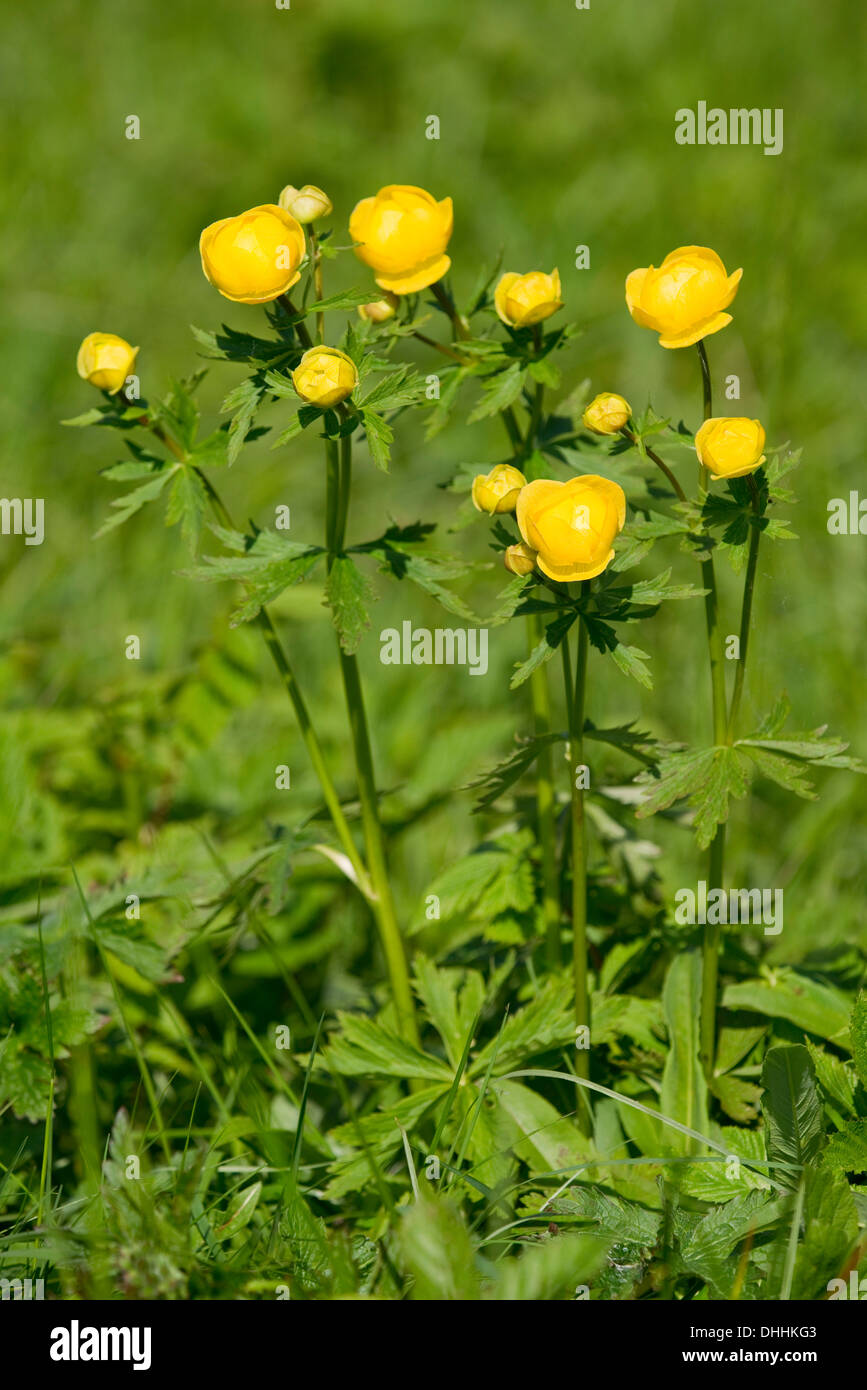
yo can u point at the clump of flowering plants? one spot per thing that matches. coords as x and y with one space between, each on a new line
446 1116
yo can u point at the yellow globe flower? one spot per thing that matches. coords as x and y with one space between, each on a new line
572 525
498 490
730 446
380 310
305 204
683 300
106 361
403 233
607 413
522 300
325 376
254 257
519 559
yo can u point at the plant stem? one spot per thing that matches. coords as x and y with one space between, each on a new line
338 486
716 858
440 347
459 323
546 807
654 457
300 327
575 700
746 611
317 282
305 724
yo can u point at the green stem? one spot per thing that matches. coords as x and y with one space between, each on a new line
716 858
513 430
575 703
459 323
317 282
440 347
338 486
546 807
746 611
300 327
302 715
654 458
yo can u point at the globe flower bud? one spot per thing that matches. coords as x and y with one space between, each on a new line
379 310
106 361
522 300
305 204
730 446
607 413
683 300
572 525
254 257
519 559
403 233
325 376
498 490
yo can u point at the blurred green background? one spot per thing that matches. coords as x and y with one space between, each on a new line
557 128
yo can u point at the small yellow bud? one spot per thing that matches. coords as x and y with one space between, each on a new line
380 310
519 559
305 204
498 490
325 376
106 361
730 447
522 300
607 413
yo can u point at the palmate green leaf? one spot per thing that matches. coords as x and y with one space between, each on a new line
178 411
792 1111
499 779
653 591
858 1035
187 502
554 634
546 1022
830 1220
305 416
229 345
269 564
347 594
396 391
351 1170
638 536
630 661
738 1098
784 771
847 1151
429 572
808 1004
838 1081
708 1250
131 502
500 391
453 999
719 1182
242 403
364 1047
380 436
549 1271
612 1216
684 1091
708 777
438 1252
